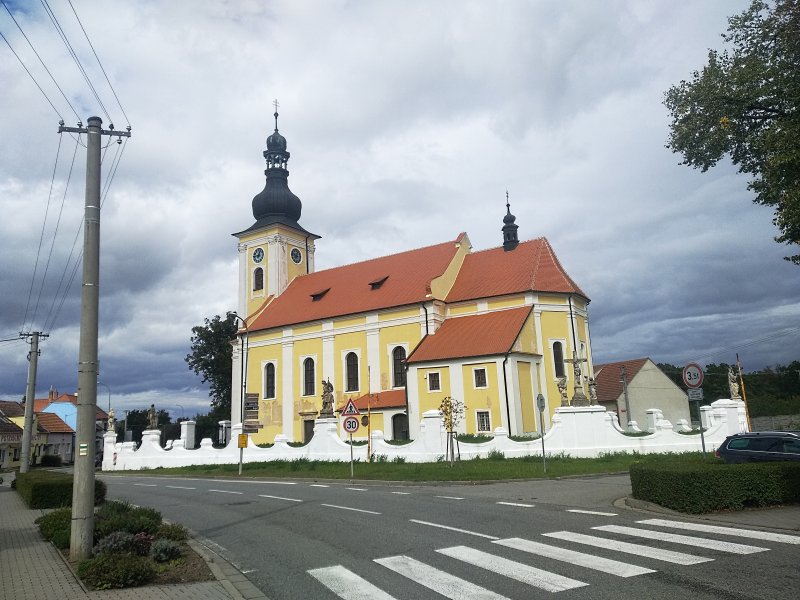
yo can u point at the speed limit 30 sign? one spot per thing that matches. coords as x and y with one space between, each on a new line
350 424
693 375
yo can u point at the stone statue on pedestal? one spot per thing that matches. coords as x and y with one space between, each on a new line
562 389
592 391
152 417
327 400
112 421
733 384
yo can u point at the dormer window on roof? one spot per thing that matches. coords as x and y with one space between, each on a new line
317 296
374 285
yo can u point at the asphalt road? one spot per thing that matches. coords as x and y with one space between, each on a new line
521 540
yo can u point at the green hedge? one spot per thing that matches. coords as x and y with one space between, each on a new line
706 487
46 489
50 460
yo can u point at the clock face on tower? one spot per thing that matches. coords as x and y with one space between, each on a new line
258 255
296 256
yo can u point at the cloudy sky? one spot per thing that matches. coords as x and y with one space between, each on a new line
407 122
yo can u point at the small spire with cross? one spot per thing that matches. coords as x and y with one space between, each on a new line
276 105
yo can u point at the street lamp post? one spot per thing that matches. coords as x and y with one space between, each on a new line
109 393
245 345
181 407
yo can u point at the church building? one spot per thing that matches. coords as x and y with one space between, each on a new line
397 334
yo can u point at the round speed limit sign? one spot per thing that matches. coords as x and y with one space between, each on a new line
350 424
693 375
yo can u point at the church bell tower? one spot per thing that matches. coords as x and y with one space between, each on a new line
276 248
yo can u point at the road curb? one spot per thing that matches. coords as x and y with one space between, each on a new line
231 578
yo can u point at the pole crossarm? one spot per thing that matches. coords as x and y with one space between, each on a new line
117 132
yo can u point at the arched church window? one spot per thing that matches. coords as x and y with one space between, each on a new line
351 366
269 381
258 279
398 367
558 358
308 377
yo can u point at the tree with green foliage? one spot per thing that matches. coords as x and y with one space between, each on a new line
211 355
745 103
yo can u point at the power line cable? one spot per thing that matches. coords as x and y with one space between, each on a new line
31 76
41 239
99 63
55 235
74 55
10 14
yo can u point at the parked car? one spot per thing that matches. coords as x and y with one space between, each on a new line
760 446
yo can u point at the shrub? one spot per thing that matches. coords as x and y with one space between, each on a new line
380 458
399 442
109 571
524 438
142 543
711 486
472 438
172 531
46 489
55 521
61 538
135 520
50 460
496 455
165 550
112 508
399 459
116 542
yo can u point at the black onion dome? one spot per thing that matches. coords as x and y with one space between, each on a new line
509 218
276 201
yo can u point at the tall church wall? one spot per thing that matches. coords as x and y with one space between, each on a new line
506 302
526 399
480 398
406 335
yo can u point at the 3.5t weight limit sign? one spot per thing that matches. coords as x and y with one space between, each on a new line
350 424
693 375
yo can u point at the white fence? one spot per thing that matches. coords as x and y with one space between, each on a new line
576 431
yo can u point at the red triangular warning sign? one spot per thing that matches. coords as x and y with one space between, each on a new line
350 409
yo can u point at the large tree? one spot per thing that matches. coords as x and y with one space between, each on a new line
745 104
211 355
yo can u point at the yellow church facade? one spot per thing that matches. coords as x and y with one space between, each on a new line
397 334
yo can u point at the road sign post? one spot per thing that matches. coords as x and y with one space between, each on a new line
350 425
693 378
541 405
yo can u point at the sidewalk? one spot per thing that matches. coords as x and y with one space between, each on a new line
32 569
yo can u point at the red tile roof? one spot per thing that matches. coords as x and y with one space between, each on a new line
52 423
607 377
406 280
531 266
381 400
99 414
40 404
476 335
12 409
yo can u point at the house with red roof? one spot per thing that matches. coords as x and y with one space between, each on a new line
397 334
645 385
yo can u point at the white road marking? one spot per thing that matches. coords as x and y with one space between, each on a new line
589 561
683 539
670 556
591 512
347 585
440 582
402 493
517 504
483 535
449 497
180 487
225 492
539 578
146 484
357 489
279 498
745 533
361 510
319 485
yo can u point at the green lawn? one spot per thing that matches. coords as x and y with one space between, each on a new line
490 469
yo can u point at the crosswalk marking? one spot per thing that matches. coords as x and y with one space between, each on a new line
683 539
589 561
440 582
347 585
745 533
483 535
545 580
671 556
